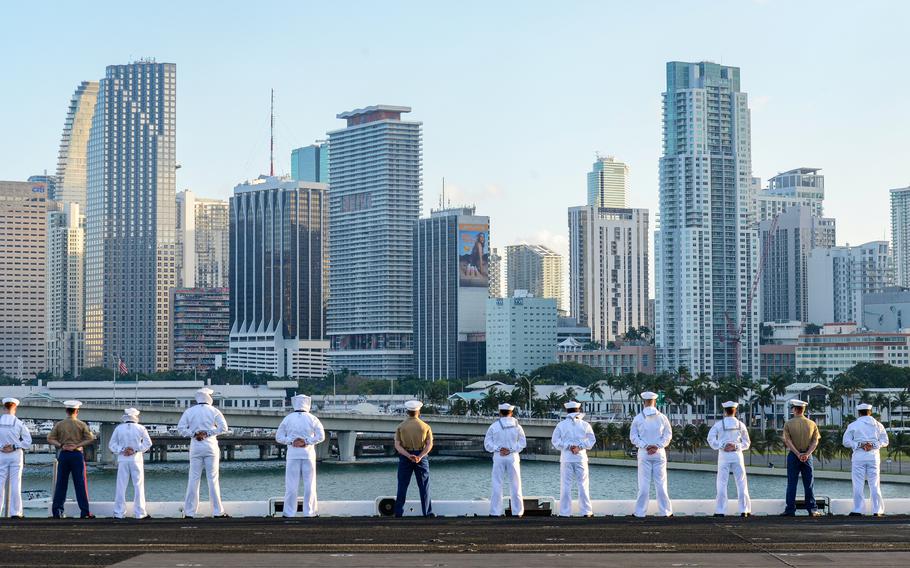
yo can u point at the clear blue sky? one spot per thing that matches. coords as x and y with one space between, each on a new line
515 97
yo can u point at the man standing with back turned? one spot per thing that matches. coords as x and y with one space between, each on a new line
651 434
71 435
865 436
202 424
801 437
413 441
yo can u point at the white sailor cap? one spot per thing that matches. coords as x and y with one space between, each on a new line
10 399
204 395
413 405
72 404
864 406
648 395
730 404
130 415
301 402
798 402
572 405
506 406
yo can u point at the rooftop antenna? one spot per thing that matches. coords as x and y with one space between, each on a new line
442 200
272 137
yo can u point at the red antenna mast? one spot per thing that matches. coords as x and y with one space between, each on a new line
272 137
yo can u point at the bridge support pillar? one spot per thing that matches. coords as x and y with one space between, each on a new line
346 444
323 450
105 456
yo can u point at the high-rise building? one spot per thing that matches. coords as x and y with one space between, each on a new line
521 333
200 327
277 286
451 286
130 223
608 269
311 163
802 187
900 234
375 164
72 160
706 245
202 241
536 269
608 183
23 258
495 273
786 242
65 289
839 276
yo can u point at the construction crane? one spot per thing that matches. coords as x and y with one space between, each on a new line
734 334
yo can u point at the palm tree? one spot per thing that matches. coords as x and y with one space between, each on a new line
901 401
818 375
459 407
685 441
763 397
595 391
474 407
898 445
827 446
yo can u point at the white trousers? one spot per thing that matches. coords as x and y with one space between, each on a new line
130 470
574 473
506 467
734 462
294 471
11 469
197 463
867 471
652 468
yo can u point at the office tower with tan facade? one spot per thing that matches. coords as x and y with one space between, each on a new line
536 269
23 258
72 160
130 221
203 249
65 289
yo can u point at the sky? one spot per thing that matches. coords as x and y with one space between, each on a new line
515 97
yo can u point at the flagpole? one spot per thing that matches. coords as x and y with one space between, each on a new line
116 370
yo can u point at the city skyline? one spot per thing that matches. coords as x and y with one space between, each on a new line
552 150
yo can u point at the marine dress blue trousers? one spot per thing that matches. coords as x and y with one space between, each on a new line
795 468
70 463
421 472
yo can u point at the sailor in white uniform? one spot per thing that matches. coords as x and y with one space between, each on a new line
573 437
505 439
731 438
129 442
866 436
14 438
203 423
300 431
651 434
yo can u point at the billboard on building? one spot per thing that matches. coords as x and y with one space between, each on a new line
473 255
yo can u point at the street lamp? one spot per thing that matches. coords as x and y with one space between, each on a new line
530 392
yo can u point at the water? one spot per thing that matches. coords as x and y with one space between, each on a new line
451 478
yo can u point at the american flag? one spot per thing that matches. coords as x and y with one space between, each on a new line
121 367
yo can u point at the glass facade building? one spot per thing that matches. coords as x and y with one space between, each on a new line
608 183
130 218
72 161
65 289
201 323
311 163
202 241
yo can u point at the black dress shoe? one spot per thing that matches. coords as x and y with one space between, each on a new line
186 517
89 516
16 517
875 515
745 514
145 517
855 514
786 514
224 516
718 514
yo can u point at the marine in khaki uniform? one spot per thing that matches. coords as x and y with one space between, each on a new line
413 441
70 435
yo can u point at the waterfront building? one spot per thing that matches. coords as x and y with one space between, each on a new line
495 273
706 249
375 165
451 287
23 269
534 268
839 276
65 289
72 160
801 187
888 310
521 333
608 183
900 234
311 163
203 242
786 242
608 269
201 326
278 285
777 359
130 222
623 359
841 346
569 328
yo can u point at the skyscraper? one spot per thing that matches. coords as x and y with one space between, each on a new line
375 165
65 289
900 234
608 183
495 273
801 187
311 163
23 245
786 245
72 160
200 327
521 333
202 242
535 269
839 276
608 269
130 220
706 245
277 287
451 286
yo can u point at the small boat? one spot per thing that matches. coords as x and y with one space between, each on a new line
36 499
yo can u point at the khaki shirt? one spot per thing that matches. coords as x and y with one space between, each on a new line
802 432
70 431
413 434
